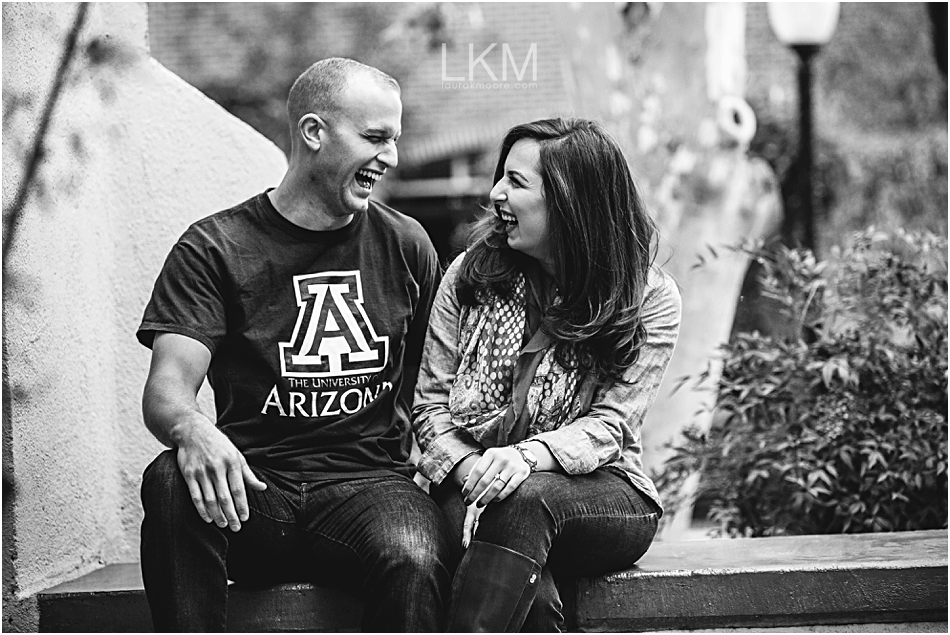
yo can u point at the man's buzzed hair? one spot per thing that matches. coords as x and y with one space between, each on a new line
318 88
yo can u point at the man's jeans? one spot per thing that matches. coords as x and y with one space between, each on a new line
573 526
381 537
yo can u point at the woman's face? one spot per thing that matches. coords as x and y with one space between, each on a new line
519 201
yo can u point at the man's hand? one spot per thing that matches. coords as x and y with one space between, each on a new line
216 473
214 469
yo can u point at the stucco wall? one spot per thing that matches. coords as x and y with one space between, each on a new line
135 156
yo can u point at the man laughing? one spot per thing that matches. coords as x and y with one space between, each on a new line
306 308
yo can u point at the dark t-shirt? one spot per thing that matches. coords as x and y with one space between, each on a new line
309 333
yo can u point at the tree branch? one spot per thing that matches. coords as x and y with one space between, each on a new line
12 216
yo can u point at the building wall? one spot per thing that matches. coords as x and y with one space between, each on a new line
134 156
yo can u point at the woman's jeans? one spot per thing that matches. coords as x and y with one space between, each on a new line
573 526
381 537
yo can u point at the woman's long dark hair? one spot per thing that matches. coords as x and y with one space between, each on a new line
601 242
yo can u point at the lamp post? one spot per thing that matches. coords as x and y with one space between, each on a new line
804 27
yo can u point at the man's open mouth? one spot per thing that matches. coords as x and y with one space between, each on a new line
366 179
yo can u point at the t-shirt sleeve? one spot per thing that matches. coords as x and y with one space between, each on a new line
188 295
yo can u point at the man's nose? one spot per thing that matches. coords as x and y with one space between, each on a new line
389 156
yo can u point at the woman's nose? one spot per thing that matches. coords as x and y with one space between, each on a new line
498 193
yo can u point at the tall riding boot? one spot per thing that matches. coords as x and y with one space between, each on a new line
493 590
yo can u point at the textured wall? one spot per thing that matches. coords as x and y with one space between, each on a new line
135 155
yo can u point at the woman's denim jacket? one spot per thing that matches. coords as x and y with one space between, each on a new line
607 435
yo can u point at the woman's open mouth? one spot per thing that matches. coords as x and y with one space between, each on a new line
507 217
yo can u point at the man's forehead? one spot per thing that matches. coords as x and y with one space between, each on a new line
384 125
362 87
373 106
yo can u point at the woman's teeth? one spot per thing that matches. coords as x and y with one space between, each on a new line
366 179
507 217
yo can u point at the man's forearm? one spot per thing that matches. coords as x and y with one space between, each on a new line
169 417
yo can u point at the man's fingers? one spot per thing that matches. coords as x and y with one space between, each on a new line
250 479
197 499
216 473
210 497
238 495
226 502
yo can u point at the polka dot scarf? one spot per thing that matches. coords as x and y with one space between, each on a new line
505 391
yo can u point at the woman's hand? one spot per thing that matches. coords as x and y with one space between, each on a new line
496 474
492 477
461 470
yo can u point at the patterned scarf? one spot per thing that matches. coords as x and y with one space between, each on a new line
503 391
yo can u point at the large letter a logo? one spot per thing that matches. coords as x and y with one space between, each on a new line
333 335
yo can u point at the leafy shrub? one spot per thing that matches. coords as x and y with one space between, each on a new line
843 426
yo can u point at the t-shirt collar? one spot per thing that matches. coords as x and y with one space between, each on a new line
271 215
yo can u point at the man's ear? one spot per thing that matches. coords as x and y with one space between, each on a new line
310 127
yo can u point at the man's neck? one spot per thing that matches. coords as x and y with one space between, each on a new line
303 209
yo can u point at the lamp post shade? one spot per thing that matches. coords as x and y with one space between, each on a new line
803 23
804 27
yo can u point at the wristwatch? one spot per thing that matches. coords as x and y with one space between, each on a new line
528 457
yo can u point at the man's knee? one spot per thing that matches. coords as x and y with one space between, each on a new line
420 545
412 555
163 486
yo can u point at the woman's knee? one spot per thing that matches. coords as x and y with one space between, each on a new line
532 498
523 521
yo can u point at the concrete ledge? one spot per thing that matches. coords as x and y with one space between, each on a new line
766 582
112 599
705 584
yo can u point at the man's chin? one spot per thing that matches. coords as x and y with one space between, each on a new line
354 204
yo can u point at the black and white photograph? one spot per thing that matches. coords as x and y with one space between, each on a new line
475 317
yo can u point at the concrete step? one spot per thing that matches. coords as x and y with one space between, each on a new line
112 599
765 582
896 578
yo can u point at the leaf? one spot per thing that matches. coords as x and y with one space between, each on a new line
834 433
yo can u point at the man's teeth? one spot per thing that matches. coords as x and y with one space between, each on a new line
367 179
